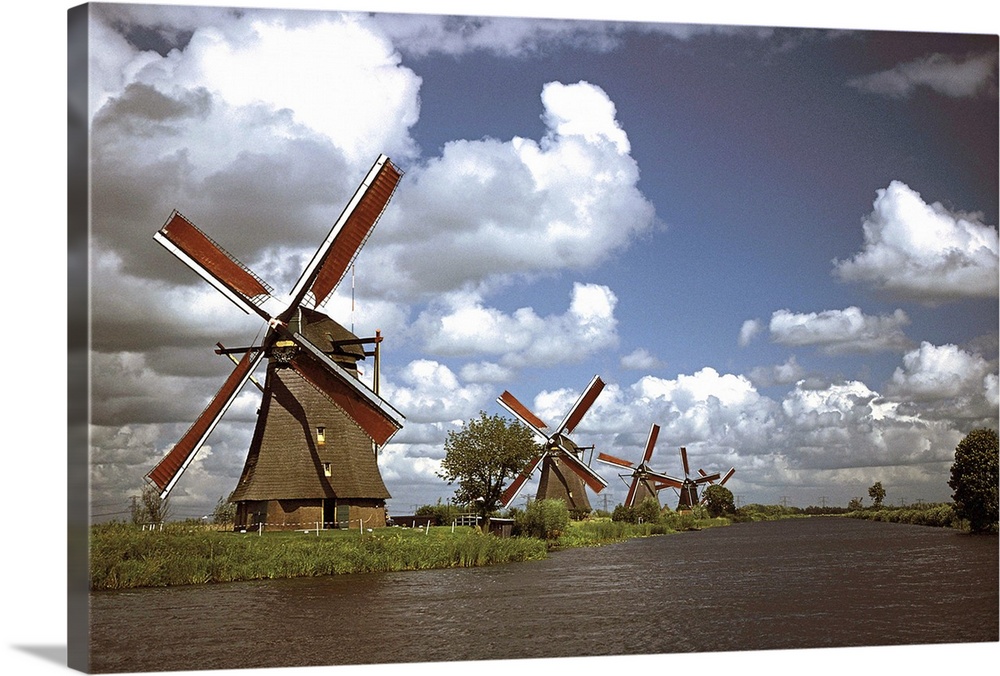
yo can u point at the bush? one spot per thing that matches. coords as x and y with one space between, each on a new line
648 511
543 519
624 514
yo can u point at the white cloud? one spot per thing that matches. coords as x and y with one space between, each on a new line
935 371
749 330
486 211
840 331
924 251
428 391
523 338
640 359
944 382
944 74
486 372
780 374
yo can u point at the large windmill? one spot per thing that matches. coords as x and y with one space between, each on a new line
644 481
564 473
687 488
313 455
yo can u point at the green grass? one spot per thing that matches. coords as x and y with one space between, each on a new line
123 556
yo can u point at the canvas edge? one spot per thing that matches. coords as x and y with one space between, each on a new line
78 319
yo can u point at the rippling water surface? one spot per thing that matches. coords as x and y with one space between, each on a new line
800 583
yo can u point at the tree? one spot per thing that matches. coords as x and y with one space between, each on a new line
877 494
855 504
483 456
149 507
719 501
974 480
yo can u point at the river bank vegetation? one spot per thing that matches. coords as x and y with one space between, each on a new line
124 556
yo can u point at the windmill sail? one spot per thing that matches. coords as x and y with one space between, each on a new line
166 472
213 263
333 258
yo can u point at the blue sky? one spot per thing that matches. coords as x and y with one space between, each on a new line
779 244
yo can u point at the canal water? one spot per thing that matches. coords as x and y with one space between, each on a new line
802 583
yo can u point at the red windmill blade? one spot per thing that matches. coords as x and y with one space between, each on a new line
581 406
322 274
522 413
380 420
331 261
511 492
558 449
214 264
684 460
166 472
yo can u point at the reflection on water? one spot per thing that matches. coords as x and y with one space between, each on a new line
786 584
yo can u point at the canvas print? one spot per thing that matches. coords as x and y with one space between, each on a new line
412 338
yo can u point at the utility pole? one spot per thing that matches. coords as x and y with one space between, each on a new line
784 501
822 500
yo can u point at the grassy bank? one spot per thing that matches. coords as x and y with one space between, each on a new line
124 556
595 532
940 515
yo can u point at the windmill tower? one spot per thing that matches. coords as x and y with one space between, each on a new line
564 473
687 488
644 480
313 455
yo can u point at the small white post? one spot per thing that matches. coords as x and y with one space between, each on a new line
453 525
260 529
427 528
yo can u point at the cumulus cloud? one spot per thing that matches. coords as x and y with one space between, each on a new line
941 73
428 391
496 210
840 331
945 381
924 252
523 338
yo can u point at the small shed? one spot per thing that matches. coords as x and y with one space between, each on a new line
502 528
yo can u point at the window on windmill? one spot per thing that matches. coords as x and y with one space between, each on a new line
321 435
327 469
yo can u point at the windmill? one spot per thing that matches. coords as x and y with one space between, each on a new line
644 483
687 488
312 457
564 473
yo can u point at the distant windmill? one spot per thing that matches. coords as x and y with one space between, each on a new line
564 473
312 455
687 488
643 479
